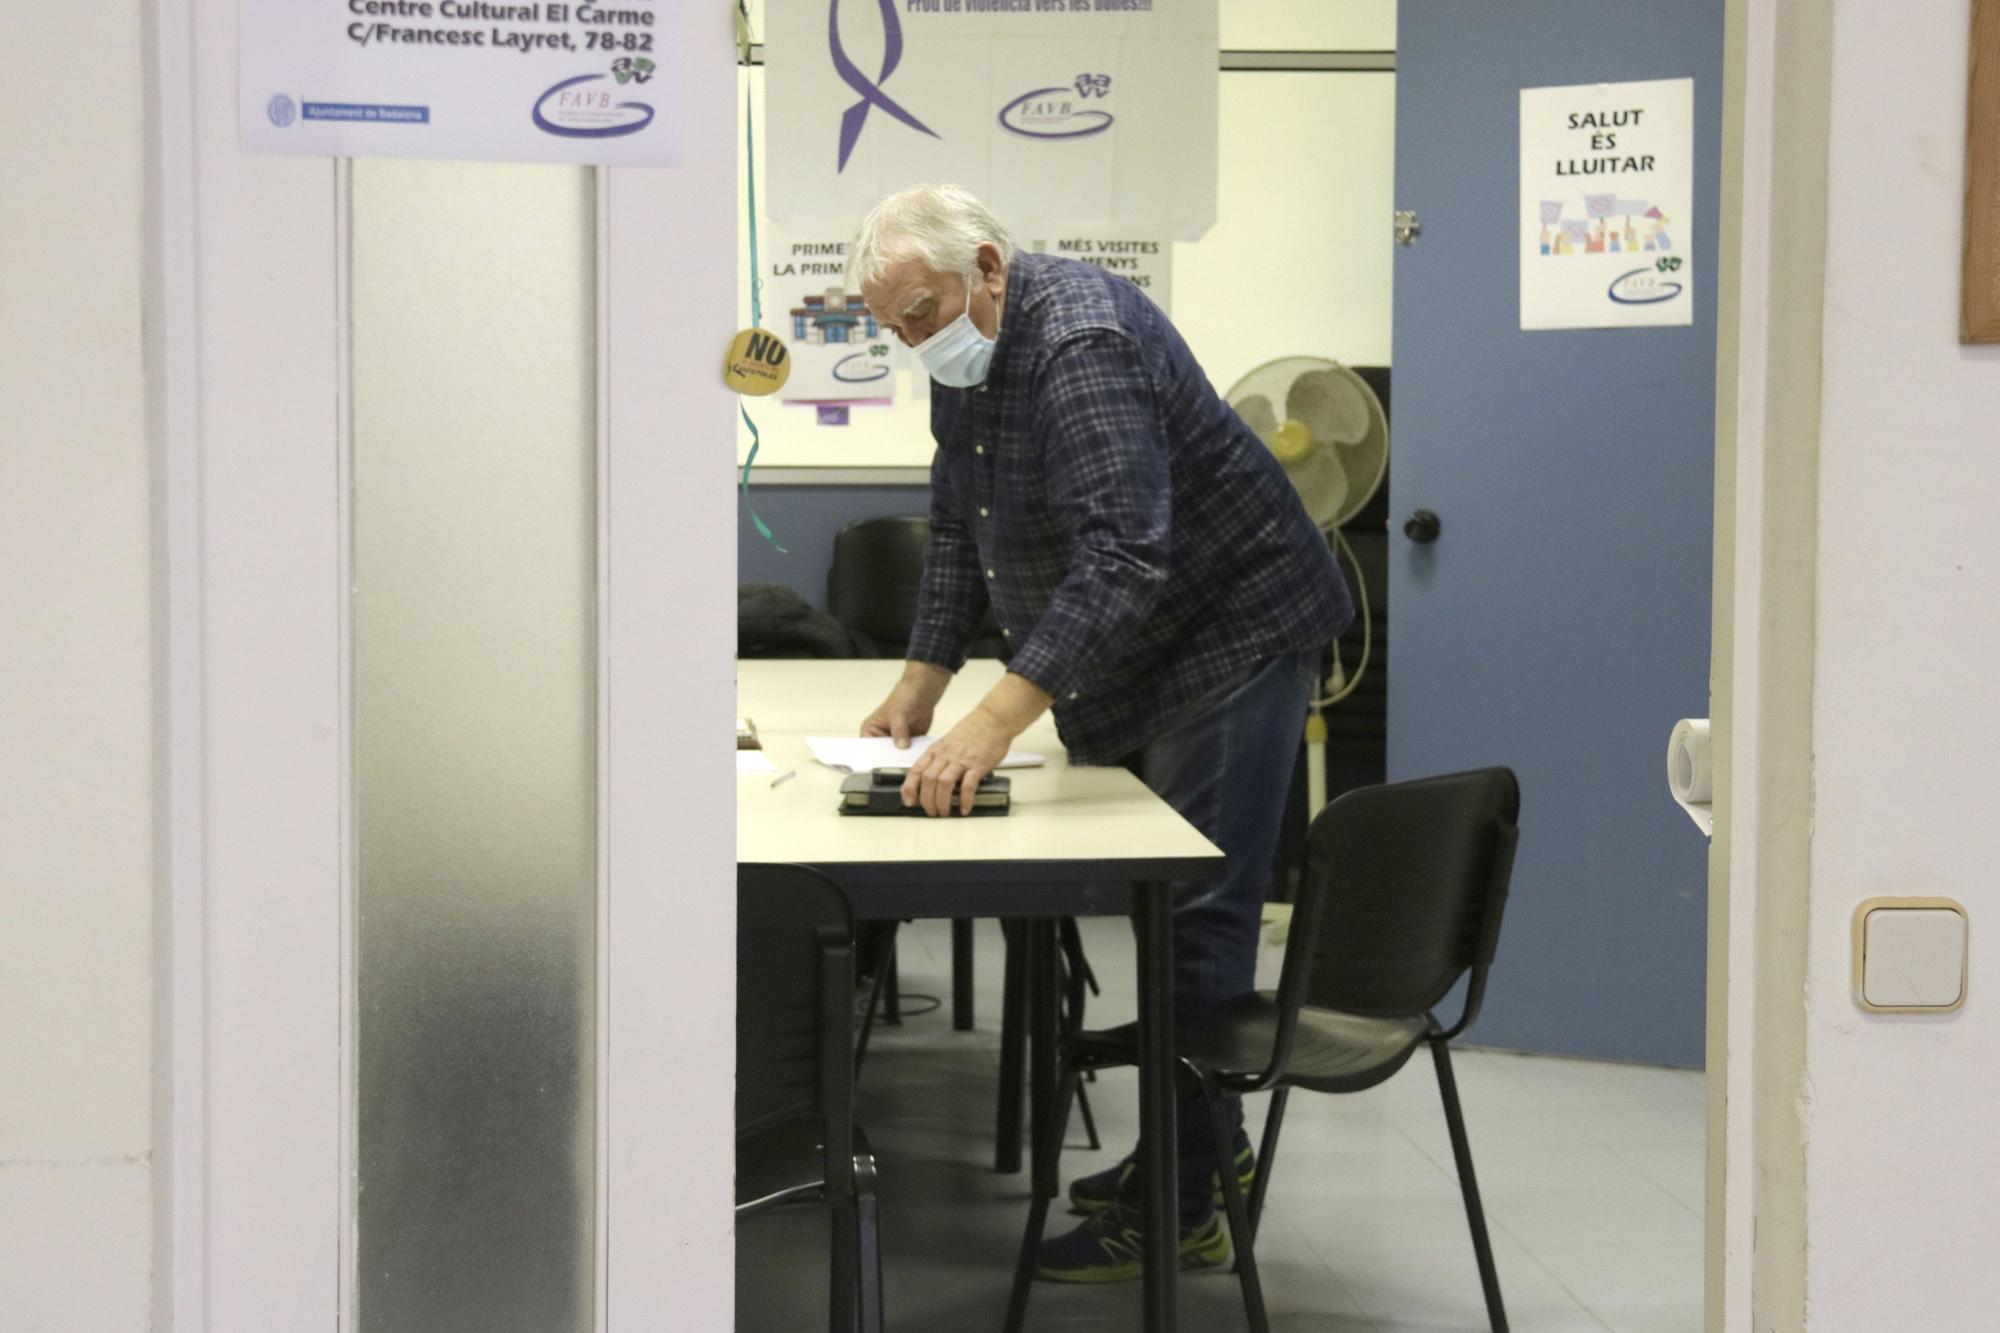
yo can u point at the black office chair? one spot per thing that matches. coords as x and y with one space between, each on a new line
871 586
871 589
1404 889
796 1140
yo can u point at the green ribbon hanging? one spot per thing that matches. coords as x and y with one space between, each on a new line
756 319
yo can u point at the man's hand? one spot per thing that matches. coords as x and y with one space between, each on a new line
951 770
907 711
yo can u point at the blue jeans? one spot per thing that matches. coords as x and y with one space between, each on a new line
1226 765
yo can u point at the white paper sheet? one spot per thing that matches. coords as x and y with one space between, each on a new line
858 754
754 761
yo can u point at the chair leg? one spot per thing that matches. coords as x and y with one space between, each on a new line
1072 943
1089 1120
1267 1153
1240 1234
1076 977
874 998
868 1296
1047 1178
843 1305
1468 1184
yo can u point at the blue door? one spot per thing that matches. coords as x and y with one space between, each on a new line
1559 621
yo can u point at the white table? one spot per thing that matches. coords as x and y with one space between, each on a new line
1079 842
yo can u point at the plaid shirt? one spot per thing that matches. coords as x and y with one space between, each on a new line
1138 545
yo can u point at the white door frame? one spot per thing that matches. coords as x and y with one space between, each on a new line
244 359
1771 297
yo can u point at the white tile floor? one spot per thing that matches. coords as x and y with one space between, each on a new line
1592 1175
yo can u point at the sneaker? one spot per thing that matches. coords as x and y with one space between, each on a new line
1108 1245
1094 1193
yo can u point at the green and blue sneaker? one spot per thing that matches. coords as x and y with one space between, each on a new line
1094 1193
1108 1245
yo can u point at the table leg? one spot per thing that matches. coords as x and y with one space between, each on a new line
1153 928
1013 1050
1044 1030
961 974
892 998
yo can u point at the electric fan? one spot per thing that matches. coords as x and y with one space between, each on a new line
1327 429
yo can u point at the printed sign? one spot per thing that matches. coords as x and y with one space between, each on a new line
839 352
1148 262
483 79
1607 196
1055 112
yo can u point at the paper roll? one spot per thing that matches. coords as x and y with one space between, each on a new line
1690 771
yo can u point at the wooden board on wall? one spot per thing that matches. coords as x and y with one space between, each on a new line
1979 316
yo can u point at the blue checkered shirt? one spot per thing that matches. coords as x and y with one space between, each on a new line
1138 545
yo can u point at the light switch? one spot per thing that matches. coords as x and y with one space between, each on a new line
1910 955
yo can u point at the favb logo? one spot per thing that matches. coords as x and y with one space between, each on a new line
1065 111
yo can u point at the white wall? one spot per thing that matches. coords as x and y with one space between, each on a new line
1902 1157
75 672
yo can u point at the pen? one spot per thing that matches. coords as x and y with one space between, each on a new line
784 777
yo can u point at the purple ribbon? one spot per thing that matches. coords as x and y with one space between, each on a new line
870 89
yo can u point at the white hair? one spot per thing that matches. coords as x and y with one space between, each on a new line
942 226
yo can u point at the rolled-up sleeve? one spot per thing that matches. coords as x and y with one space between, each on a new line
951 597
1108 470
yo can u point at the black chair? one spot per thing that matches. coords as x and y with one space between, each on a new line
871 589
1404 889
796 1140
871 586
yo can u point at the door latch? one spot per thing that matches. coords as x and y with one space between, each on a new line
1407 226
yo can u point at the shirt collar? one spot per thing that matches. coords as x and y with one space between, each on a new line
1013 315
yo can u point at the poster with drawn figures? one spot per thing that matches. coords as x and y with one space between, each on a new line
1145 259
490 80
1052 111
839 353
1607 199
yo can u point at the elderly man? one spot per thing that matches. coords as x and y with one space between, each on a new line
1156 580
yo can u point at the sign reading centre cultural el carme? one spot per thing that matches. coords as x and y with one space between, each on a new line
1057 113
1607 202
546 81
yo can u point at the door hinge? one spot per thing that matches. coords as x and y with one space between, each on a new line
1407 226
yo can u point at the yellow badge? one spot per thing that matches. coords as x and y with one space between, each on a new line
757 363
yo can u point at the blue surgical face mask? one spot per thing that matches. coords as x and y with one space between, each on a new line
958 355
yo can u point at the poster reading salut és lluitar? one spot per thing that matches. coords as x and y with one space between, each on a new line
1607 190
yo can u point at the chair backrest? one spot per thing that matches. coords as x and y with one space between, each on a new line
871 586
794 993
1405 886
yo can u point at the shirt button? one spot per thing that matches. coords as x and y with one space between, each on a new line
1007 633
990 574
978 448
982 511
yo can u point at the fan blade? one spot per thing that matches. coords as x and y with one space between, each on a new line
1331 405
1259 416
1322 485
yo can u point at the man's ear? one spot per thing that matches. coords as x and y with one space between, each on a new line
988 259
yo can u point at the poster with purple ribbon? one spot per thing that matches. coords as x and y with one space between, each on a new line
491 80
1057 112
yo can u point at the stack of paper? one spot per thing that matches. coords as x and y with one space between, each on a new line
858 754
